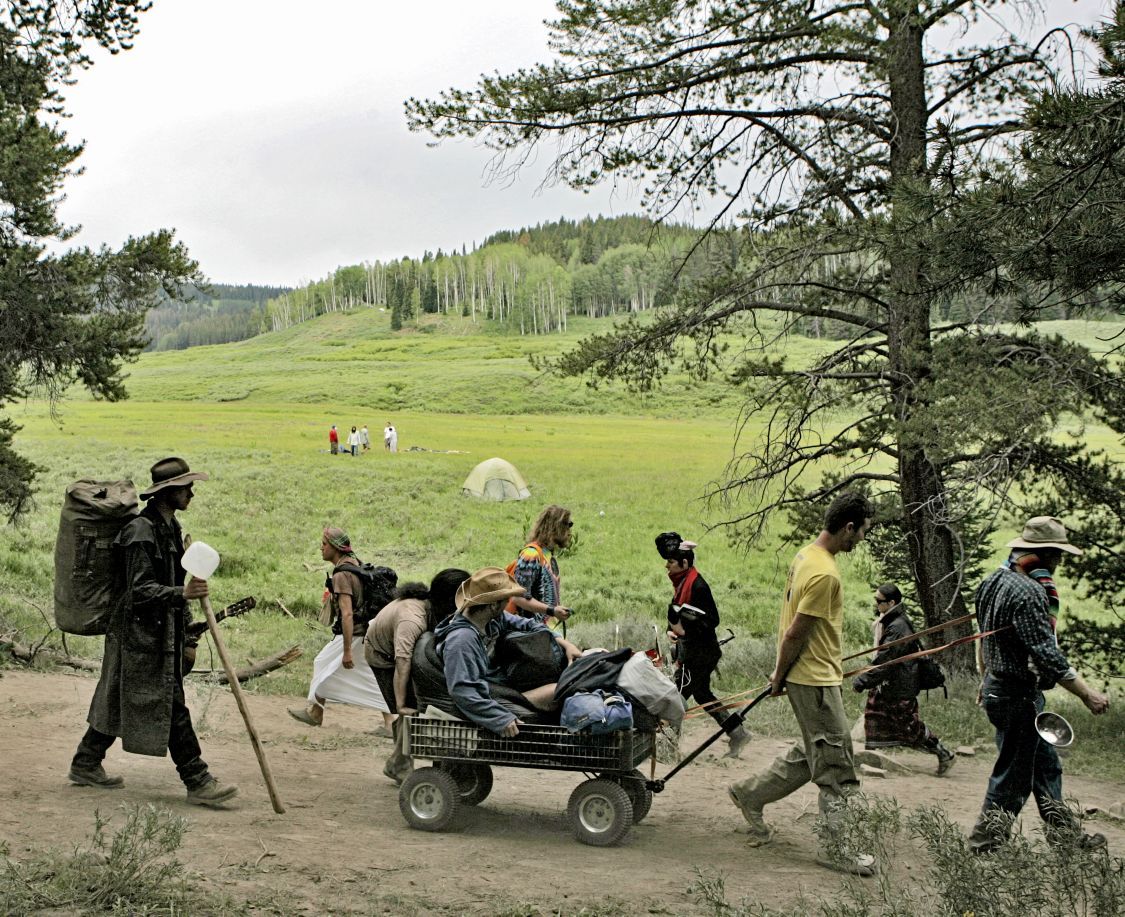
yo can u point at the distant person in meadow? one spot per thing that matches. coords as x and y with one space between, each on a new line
354 440
891 717
390 438
693 620
389 649
336 677
537 570
333 440
365 438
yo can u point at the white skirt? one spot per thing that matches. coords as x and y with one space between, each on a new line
356 686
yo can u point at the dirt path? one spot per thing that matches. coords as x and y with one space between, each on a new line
343 846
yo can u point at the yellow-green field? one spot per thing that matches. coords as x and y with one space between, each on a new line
255 415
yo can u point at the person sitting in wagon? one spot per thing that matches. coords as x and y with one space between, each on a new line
462 644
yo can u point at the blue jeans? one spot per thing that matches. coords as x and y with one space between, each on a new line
1025 766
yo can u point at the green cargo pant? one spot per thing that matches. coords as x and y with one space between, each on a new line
824 755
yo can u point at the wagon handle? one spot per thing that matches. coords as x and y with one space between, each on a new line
731 723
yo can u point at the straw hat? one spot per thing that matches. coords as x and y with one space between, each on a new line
487 585
171 472
1044 532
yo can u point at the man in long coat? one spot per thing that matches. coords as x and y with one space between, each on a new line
140 695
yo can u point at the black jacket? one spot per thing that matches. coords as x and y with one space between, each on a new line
144 643
699 617
896 682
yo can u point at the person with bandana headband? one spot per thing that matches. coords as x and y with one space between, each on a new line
693 619
335 674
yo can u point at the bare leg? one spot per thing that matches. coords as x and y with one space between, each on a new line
542 698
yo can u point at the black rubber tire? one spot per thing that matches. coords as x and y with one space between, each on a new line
474 781
600 812
639 794
429 799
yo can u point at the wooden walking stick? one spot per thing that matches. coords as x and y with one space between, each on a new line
200 560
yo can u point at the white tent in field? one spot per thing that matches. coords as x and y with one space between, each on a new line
495 479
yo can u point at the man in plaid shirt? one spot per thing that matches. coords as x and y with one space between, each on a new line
1020 662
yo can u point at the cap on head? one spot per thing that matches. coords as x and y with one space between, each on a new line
487 585
1044 532
339 539
171 472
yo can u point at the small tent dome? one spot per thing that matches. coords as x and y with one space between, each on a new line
496 479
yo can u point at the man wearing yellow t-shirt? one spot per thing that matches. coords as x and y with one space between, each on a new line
809 669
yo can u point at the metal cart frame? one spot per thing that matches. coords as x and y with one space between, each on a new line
601 810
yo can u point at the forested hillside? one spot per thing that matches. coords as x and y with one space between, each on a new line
218 314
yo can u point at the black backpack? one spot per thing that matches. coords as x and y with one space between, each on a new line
378 589
930 675
86 578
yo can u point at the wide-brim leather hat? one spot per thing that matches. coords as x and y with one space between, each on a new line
1044 532
171 472
487 585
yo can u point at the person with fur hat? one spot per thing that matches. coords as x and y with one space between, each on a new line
462 643
1019 661
693 621
140 694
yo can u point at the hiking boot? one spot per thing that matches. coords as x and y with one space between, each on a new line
212 793
397 774
945 759
94 776
862 864
757 832
738 740
312 715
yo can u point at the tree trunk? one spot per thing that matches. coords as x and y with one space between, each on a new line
931 540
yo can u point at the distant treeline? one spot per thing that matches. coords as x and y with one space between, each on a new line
219 314
529 280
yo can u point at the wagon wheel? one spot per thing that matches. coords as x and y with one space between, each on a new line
600 811
429 799
474 781
640 795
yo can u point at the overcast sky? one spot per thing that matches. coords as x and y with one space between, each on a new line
270 133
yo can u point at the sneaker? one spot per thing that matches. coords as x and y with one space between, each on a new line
757 831
212 793
94 776
738 740
862 864
945 760
307 715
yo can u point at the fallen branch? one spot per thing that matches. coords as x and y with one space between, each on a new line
29 655
262 666
281 605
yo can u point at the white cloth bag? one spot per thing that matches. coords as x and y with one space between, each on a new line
654 690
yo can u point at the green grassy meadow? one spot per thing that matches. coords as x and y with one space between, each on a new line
255 415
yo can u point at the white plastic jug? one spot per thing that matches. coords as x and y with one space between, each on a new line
200 560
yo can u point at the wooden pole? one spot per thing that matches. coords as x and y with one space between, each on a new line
236 690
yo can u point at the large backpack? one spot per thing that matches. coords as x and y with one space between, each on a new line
93 514
378 589
540 557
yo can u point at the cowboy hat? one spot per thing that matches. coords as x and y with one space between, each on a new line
487 585
171 472
1044 532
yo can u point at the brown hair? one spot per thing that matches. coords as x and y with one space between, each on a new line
551 527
